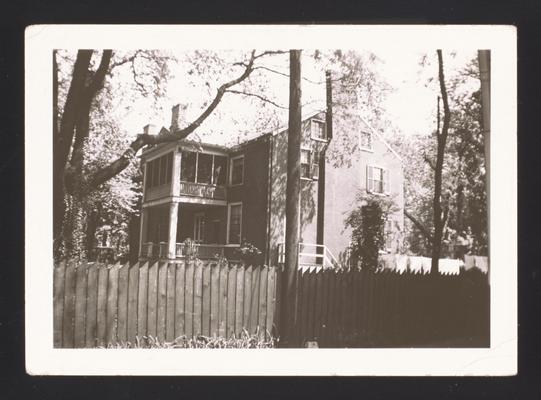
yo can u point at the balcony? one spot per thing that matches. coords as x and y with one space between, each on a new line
215 192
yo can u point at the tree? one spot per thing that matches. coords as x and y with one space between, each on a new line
440 215
367 222
74 182
463 191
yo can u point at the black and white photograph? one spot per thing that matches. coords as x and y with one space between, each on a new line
300 197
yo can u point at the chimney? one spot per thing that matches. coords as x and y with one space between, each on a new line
174 118
150 130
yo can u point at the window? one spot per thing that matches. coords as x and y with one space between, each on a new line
187 167
199 228
237 170
318 129
366 140
158 171
204 168
305 164
234 223
377 180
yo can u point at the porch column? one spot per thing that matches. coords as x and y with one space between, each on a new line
173 220
175 176
144 226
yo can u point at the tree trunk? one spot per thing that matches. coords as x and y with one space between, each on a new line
441 138
289 294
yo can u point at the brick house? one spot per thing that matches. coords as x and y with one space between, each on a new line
221 196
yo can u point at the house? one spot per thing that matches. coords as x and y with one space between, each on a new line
219 197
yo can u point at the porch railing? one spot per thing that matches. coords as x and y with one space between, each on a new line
311 255
203 251
202 190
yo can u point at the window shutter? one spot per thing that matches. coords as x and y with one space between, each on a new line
369 180
386 181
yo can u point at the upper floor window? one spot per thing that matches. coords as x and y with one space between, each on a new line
159 170
318 129
204 168
366 140
188 166
237 171
309 164
377 179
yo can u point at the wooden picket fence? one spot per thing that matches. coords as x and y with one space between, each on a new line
96 305
361 308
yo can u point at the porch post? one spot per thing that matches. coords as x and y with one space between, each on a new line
175 176
173 220
143 232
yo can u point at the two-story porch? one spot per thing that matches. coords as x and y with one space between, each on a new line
185 200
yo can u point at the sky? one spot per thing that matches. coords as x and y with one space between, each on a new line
410 105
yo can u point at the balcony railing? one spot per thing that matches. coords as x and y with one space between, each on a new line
182 250
202 190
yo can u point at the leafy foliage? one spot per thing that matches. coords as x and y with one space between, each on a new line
367 223
464 181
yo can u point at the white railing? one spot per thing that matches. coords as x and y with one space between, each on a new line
311 255
202 190
151 250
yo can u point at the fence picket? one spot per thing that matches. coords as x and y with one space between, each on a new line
80 306
198 299
161 308
262 313
133 291
180 291
207 311
170 302
271 302
254 306
231 299
59 280
103 278
239 311
91 313
222 302
247 297
123 276
112 305
189 298
214 299
152 312
318 275
69 306
142 302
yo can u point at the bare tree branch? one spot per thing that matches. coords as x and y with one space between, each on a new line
262 98
426 233
102 175
429 162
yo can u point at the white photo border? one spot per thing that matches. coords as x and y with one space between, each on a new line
43 359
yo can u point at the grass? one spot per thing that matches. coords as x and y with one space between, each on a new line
244 341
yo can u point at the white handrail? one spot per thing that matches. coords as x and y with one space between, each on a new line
327 256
